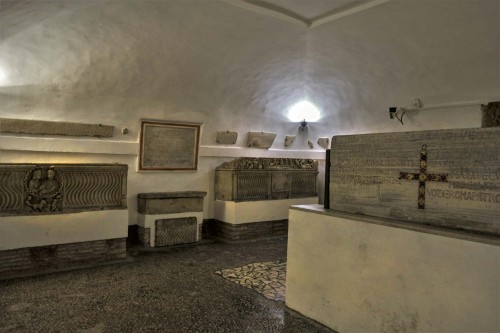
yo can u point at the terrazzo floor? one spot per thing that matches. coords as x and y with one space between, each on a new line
170 290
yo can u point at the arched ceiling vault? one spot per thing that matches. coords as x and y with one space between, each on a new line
309 14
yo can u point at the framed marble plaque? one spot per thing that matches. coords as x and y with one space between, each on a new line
168 146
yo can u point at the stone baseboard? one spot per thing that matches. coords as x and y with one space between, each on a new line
144 235
245 231
42 259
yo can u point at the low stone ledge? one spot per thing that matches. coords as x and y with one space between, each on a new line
485 238
168 195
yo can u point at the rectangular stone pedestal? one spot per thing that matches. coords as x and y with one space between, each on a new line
169 218
365 274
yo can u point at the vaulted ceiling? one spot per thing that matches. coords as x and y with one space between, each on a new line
309 13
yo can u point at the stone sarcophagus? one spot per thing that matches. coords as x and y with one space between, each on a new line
169 218
37 189
55 216
250 179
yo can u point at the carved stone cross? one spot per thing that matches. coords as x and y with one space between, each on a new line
423 177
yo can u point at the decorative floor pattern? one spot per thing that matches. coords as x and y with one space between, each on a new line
267 278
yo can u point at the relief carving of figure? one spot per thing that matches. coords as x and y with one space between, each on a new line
34 183
44 193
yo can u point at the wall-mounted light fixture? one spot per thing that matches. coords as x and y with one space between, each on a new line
396 112
304 112
303 125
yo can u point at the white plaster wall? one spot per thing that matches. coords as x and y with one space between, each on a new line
257 211
356 276
115 62
439 51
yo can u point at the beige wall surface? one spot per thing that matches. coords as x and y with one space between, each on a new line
356 276
29 231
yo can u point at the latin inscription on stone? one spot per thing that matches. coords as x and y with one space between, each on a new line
40 127
167 146
448 178
422 177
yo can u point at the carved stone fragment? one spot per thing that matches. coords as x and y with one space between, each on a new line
310 144
260 139
324 142
226 137
41 127
289 139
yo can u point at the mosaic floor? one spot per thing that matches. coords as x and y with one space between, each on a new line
267 278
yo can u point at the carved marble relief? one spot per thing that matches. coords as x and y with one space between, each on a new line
44 189
246 178
269 163
61 188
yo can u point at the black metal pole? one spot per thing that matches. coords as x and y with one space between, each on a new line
326 200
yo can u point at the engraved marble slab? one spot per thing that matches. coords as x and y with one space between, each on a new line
260 139
447 178
226 137
175 231
169 146
39 127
